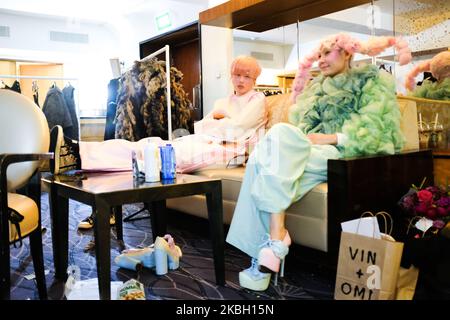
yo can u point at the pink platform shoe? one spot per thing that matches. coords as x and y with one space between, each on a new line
273 254
167 254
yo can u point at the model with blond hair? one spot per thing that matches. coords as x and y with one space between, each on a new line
344 112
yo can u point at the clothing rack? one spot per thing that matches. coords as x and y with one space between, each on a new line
9 76
165 49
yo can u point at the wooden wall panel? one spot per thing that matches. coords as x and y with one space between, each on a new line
8 68
441 164
187 58
265 15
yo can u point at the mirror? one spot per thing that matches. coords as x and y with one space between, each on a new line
424 24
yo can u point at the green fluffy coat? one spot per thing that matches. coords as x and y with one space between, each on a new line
433 90
360 103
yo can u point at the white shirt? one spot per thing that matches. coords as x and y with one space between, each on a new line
243 116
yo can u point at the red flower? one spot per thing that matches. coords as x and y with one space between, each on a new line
425 196
422 208
432 202
442 212
431 213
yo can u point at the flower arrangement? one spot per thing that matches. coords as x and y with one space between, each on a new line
430 204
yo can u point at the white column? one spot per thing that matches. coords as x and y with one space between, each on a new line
217 55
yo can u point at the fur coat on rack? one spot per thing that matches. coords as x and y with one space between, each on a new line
141 102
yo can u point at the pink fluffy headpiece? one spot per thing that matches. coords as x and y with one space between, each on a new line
371 47
439 66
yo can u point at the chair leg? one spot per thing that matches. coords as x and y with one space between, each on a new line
38 262
5 275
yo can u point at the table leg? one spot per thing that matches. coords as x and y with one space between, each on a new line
119 227
158 217
215 216
103 248
59 213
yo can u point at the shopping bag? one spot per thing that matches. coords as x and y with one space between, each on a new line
367 268
406 283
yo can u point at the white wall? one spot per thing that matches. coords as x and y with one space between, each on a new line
213 3
119 38
30 41
217 55
141 26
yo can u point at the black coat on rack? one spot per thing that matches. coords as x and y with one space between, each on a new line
111 108
74 132
56 110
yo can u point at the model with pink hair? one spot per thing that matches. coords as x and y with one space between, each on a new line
221 138
373 47
439 66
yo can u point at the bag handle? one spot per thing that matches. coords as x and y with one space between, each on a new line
362 216
383 214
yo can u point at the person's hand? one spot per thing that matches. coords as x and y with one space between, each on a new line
218 115
321 138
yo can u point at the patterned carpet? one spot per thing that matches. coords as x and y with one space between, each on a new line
194 280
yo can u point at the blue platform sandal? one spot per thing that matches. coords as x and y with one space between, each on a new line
134 259
253 279
167 254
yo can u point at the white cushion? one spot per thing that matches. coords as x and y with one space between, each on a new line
23 129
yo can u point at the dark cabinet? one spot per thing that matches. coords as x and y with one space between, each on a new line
185 51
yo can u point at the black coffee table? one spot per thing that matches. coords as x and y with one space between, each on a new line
105 191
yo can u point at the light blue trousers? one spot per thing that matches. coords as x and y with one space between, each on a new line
282 168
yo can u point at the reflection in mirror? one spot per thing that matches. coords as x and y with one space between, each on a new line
272 49
279 50
424 24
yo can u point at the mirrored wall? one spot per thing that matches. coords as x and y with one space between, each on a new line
424 24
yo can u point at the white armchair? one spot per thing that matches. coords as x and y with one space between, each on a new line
24 139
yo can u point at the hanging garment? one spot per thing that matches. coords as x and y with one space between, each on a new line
141 102
36 98
111 108
16 87
73 132
34 89
56 111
